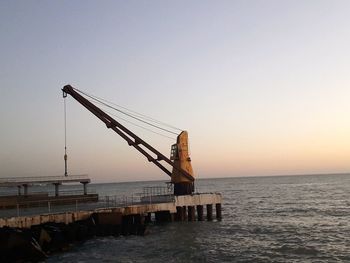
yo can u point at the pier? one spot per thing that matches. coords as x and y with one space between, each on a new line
41 234
180 208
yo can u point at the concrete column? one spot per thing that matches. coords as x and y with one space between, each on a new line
185 213
85 188
218 211
25 188
19 189
200 212
191 213
209 212
180 214
56 189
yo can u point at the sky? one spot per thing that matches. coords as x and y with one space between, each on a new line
262 87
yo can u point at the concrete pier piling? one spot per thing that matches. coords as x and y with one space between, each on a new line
199 212
180 216
218 211
209 212
185 213
191 213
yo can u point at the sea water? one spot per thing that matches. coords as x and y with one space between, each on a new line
265 219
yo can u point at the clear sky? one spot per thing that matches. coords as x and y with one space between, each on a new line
262 87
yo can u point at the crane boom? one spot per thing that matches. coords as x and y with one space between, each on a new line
131 138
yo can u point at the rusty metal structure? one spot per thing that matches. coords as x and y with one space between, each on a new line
182 175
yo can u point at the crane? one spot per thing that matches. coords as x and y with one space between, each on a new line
182 175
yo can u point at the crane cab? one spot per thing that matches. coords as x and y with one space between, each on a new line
182 161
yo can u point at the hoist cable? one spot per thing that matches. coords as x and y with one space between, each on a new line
125 113
65 127
132 111
65 138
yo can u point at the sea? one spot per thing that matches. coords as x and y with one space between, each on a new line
265 219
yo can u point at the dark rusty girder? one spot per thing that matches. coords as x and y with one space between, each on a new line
131 138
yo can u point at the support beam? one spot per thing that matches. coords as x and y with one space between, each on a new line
19 189
85 187
25 189
56 188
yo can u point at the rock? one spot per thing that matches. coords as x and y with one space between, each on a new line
13 241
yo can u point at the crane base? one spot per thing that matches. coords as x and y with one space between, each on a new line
183 188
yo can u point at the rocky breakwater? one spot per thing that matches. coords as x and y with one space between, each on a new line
36 243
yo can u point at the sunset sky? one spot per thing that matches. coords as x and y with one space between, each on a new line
262 87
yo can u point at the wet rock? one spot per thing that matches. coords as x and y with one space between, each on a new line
33 245
18 246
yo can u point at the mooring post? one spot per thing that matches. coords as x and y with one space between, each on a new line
199 212
191 213
218 211
209 212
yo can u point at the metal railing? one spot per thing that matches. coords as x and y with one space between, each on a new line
49 206
158 190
